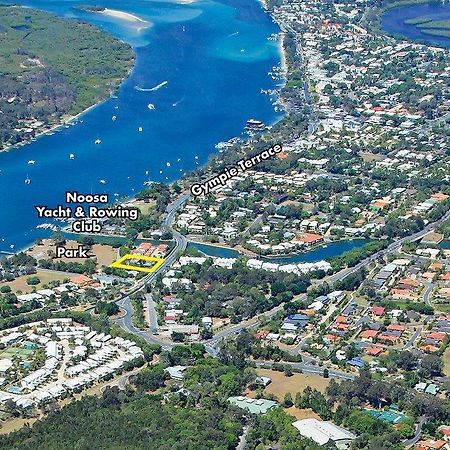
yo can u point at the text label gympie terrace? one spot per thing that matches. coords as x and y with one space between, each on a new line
198 189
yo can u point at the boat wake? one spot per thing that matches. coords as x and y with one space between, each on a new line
154 88
177 102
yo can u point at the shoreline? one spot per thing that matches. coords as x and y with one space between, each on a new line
122 15
126 18
282 50
401 3
66 120
375 25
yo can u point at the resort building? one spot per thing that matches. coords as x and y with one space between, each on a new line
324 433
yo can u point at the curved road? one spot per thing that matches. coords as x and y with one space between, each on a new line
125 303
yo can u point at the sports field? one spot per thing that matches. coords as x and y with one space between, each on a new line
447 362
296 383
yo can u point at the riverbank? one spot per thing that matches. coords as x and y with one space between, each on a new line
424 23
316 254
76 87
400 3
64 121
374 25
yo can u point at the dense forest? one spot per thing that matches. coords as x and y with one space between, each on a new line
129 421
50 67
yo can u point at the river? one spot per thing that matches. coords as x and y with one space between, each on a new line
210 60
393 22
317 254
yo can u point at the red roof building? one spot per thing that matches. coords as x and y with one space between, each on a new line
374 351
378 310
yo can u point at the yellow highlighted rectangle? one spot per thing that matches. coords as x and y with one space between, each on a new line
119 264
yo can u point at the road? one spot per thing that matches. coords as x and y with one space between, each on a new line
309 368
428 293
418 433
126 323
152 317
243 439
125 303
413 338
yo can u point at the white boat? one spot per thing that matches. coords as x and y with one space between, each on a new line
31 161
97 142
168 164
151 106
103 181
140 129
71 156
113 118
27 180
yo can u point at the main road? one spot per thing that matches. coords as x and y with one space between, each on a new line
125 302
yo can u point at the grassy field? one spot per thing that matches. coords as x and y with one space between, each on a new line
447 362
20 284
296 383
370 157
144 208
21 352
105 254
443 307
301 414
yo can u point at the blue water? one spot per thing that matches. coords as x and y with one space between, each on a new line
393 22
445 245
332 249
214 56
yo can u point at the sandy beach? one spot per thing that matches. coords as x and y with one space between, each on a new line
126 17
283 52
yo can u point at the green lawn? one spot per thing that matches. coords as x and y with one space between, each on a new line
21 352
447 362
